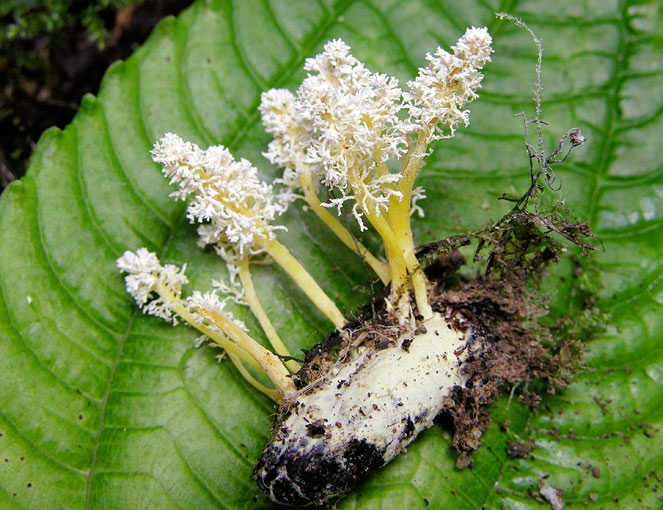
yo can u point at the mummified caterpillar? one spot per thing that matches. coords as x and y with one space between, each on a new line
364 410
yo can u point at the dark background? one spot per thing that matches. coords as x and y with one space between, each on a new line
51 55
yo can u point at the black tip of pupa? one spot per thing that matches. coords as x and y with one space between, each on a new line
311 476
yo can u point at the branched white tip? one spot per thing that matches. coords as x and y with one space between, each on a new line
345 123
418 193
351 116
210 302
233 206
441 90
277 107
286 150
232 289
157 289
342 127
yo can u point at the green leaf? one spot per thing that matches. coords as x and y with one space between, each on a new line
102 407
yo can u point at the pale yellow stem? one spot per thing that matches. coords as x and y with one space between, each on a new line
399 219
275 395
222 341
268 362
398 268
235 350
304 280
420 289
380 268
395 229
403 237
403 263
397 263
256 308
399 210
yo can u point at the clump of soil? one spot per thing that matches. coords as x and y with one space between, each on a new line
505 304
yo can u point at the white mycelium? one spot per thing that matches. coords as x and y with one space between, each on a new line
362 413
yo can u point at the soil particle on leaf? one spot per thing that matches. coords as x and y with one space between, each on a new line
552 495
519 449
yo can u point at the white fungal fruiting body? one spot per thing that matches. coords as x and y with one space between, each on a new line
347 137
362 413
233 207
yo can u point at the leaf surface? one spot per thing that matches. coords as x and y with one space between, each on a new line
102 407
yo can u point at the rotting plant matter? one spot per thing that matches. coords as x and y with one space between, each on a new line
432 342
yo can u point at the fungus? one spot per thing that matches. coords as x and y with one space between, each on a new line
422 347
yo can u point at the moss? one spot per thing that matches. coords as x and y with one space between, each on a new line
25 19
